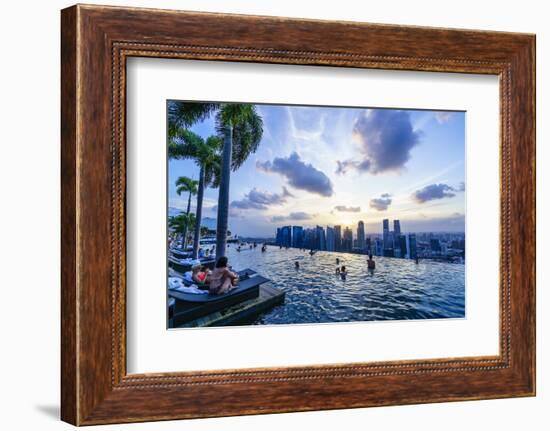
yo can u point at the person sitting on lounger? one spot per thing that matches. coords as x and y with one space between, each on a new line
370 263
199 274
221 279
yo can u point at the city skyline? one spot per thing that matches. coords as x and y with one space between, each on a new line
338 166
397 243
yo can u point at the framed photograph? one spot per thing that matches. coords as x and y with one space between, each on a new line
279 215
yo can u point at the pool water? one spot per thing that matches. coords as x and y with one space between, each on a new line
398 289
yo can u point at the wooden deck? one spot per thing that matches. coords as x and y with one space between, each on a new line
268 297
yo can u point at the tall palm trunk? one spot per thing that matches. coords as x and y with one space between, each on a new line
185 228
198 216
223 197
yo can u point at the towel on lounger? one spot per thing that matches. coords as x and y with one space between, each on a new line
192 289
174 283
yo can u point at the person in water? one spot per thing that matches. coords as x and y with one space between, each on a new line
337 270
199 274
343 272
371 264
297 265
337 261
221 279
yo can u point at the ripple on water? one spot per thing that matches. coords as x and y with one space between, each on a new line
398 289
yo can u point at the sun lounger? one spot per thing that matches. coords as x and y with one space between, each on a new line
180 254
243 275
186 264
243 286
192 306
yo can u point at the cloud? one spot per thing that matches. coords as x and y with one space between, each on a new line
434 191
343 208
299 175
461 187
260 200
233 212
294 216
382 203
454 222
386 138
443 116
300 215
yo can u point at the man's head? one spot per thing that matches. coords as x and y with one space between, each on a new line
222 262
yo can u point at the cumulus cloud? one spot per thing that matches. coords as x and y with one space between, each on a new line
294 216
434 191
382 203
260 200
386 138
443 116
461 187
299 174
343 208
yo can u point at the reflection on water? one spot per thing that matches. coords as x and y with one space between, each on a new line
397 289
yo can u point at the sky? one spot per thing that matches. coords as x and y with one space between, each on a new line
336 166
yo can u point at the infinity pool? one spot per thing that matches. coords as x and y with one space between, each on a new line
398 289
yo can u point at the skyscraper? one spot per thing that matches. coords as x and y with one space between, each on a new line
330 239
347 241
397 249
338 238
402 246
361 235
297 236
320 239
378 247
387 237
386 232
396 228
412 246
278 238
286 236
309 238
435 245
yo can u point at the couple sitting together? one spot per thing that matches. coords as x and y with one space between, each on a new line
218 281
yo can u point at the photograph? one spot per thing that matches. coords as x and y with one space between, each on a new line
294 214
331 210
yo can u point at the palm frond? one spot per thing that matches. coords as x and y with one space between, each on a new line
186 114
182 222
184 144
186 184
247 130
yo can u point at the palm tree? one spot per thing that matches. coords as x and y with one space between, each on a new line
188 145
186 184
182 223
241 128
204 231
